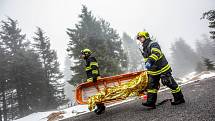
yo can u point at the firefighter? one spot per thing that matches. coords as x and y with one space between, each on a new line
158 69
92 71
92 68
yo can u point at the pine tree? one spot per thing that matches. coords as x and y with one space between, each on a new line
200 67
48 57
13 41
8 96
24 75
185 59
3 80
209 64
135 59
103 40
205 48
210 15
29 71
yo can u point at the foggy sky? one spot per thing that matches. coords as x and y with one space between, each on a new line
167 20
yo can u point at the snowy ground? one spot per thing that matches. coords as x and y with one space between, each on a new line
82 109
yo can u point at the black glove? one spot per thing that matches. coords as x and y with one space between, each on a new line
94 78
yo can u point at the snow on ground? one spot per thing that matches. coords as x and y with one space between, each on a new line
187 77
75 110
40 116
196 76
82 109
207 75
69 112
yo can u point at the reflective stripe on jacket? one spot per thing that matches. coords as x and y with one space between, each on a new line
92 67
152 53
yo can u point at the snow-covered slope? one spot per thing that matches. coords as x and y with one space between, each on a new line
69 112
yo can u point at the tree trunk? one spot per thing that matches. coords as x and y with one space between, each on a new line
4 102
20 103
0 114
1 107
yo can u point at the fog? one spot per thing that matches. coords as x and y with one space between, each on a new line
166 20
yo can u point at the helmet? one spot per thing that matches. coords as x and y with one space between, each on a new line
86 51
143 34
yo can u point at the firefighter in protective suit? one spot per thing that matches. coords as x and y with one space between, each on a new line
158 69
92 71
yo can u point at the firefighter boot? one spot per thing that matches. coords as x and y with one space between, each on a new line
178 98
100 109
151 100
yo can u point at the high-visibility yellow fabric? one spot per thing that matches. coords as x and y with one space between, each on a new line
95 72
178 89
153 56
152 90
90 80
156 50
164 69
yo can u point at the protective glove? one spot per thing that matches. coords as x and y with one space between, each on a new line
94 78
89 80
148 65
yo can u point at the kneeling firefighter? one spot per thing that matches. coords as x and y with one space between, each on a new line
92 71
158 69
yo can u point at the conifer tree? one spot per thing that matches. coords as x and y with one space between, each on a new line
209 64
97 35
48 58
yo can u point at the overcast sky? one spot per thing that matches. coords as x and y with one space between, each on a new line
167 20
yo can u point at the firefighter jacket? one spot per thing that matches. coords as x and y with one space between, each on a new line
152 53
92 68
